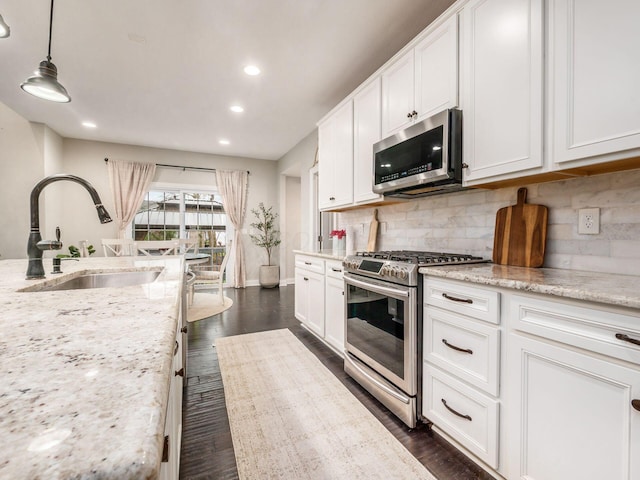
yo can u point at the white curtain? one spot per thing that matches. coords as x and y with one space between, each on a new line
129 184
232 185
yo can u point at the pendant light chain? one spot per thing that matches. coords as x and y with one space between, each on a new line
50 30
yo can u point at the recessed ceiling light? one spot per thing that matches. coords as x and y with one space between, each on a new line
224 142
89 124
237 109
251 70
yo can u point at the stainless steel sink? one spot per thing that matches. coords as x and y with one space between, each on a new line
103 280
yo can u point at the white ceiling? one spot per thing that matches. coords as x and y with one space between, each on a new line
164 73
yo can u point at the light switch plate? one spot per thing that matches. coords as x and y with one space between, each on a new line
589 221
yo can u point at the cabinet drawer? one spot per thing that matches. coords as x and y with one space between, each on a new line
468 416
313 264
476 302
593 329
466 348
334 269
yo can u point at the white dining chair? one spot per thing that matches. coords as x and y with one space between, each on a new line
119 247
188 245
158 247
205 277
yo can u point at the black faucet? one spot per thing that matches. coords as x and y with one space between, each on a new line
36 245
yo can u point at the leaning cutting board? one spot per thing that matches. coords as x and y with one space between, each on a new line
373 232
521 234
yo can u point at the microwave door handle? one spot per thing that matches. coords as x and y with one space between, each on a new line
377 288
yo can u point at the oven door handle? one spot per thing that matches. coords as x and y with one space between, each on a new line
376 288
377 383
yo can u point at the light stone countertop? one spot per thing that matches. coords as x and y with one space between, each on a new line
86 373
327 254
607 288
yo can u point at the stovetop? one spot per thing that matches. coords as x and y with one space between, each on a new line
401 266
421 258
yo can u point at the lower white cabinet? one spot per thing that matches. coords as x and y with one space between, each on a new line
309 300
571 414
319 298
532 386
170 464
573 391
334 305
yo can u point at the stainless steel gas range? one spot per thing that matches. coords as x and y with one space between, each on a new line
383 301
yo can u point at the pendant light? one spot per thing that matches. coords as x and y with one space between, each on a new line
44 82
5 31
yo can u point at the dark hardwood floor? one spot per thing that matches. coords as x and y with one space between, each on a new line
207 449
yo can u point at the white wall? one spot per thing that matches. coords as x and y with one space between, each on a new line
21 167
464 222
86 159
293 232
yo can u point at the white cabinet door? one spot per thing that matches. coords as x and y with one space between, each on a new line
334 314
301 296
315 301
397 95
335 169
595 76
570 413
366 131
436 70
501 87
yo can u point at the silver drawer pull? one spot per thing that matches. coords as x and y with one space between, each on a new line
453 347
456 299
444 402
336 269
627 338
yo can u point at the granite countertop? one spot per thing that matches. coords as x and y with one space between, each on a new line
86 373
326 254
607 288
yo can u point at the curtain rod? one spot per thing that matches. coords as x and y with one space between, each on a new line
183 167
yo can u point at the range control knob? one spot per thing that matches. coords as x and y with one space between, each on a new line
403 274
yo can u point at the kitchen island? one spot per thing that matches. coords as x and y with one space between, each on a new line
86 373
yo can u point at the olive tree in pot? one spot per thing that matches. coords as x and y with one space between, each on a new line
267 237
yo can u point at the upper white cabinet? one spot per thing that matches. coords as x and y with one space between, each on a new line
501 87
366 132
423 81
335 168
594 78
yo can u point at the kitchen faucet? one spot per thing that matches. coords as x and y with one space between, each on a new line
36 245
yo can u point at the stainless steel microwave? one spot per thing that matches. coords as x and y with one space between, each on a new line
424 159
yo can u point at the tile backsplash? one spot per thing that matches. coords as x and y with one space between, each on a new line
464 222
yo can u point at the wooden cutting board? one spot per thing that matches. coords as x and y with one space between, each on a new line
520 234
373 232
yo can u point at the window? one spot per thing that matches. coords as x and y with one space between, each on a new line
166 214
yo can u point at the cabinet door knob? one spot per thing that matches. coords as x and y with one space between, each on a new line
305 279
165 449
179 373
409 115
635 403
461 415
184 329
414 114
332 198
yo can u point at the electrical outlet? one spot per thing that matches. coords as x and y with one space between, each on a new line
589 221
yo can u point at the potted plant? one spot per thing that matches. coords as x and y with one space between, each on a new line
267 237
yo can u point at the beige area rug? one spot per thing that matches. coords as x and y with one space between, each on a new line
206 305
291 418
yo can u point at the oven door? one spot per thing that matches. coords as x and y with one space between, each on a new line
381 328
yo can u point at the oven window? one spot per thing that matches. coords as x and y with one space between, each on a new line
375 326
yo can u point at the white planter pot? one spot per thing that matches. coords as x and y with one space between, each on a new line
269 276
